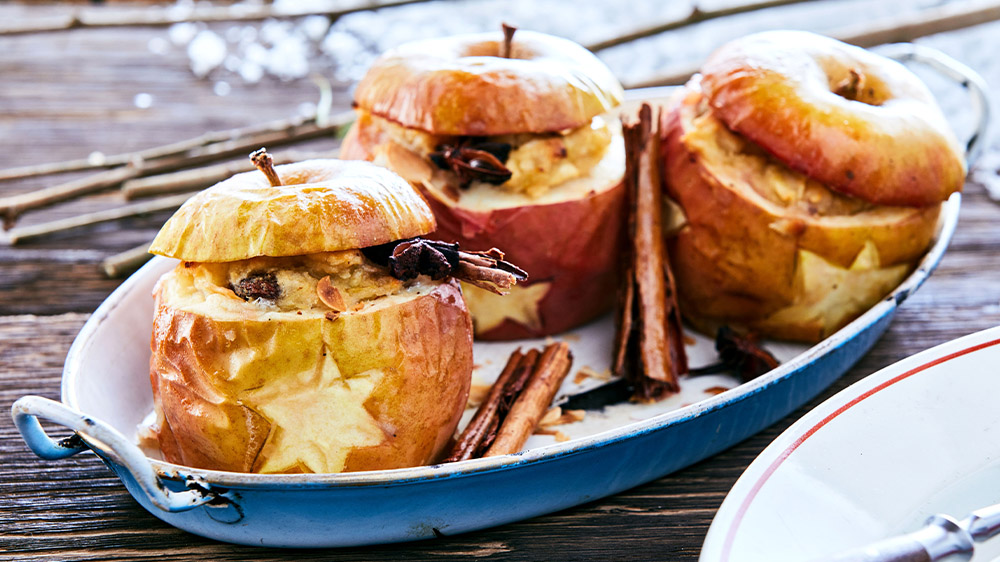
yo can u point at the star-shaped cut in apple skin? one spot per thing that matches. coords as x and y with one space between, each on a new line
315 427
521 305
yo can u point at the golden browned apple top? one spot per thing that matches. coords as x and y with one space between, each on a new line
320 206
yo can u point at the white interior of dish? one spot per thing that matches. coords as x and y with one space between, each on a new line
872 466
107 372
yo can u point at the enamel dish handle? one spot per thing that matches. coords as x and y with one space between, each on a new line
26 412
960 74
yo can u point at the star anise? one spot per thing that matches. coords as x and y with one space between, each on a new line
406 259
474 161
434 259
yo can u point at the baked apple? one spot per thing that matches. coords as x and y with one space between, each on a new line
306 329
512 143
762 242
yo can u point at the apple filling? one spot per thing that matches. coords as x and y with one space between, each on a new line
533 164
741 161
314 285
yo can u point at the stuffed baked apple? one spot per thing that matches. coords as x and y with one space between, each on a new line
511 142
307 327
808 175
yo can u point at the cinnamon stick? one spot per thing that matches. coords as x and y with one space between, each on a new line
649 346
482 429
534 400
406 259
620 363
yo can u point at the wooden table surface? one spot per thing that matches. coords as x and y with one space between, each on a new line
65 95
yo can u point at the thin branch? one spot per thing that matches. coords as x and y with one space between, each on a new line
13 206
930 22
697 15
200 178
18 235
150 17
178 182
126 262
291 127
890 30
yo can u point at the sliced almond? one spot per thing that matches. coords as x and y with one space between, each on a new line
557 416
404 162
560 436
477 394
451 192
587 372
330 295
551 416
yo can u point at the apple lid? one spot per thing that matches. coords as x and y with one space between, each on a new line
323 205
462 85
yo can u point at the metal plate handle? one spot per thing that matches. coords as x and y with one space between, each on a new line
26 412
960 74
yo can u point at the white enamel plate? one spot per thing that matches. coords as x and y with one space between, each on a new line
917 438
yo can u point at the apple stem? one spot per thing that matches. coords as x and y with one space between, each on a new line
265 164
508 37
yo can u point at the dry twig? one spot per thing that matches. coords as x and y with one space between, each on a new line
896 29
199 178
120 265
17 235
697 15
13 206
152 17
289 127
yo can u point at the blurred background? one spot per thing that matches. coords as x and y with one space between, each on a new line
142 81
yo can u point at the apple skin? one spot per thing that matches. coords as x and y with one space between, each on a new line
208 375
737 257
572 246
891 145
